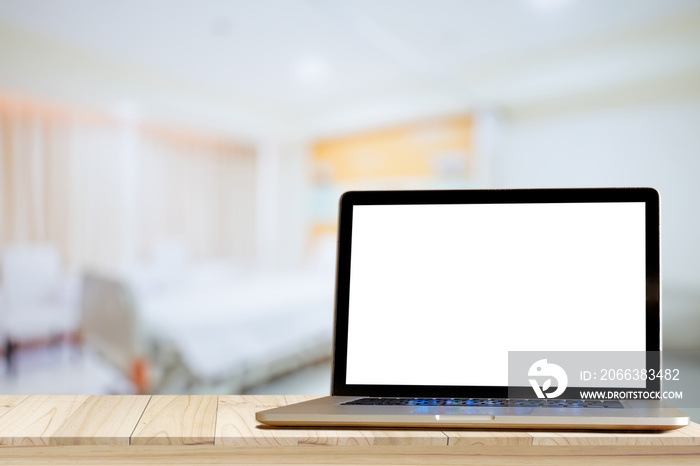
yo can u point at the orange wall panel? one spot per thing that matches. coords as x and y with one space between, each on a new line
411 150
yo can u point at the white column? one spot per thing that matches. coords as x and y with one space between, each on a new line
128 152
267 203
488 135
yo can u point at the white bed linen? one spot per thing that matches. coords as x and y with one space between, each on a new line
220 328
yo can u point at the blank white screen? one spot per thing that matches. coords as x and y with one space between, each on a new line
440 293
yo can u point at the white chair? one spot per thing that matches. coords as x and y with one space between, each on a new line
39 305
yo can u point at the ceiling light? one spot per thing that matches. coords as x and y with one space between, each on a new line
311 70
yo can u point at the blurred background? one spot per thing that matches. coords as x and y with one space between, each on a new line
170 170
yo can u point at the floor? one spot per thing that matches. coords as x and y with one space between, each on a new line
313 380
64 369
61 370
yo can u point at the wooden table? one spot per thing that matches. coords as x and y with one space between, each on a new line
223 430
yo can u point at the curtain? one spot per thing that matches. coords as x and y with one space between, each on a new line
197 189
104 190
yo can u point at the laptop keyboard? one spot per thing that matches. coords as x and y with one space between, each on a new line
486 402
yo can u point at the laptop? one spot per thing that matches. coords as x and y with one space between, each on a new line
439 292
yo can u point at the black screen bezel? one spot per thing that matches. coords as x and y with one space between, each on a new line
649 196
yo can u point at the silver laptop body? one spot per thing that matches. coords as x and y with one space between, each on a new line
435 290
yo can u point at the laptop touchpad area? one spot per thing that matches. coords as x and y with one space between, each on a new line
473 410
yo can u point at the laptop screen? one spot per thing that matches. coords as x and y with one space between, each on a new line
437 293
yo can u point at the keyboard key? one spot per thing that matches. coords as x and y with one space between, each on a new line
489 402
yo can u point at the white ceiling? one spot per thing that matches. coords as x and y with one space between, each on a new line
312 58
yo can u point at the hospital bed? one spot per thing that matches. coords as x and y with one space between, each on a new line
220 335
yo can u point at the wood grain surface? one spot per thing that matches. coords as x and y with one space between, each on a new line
34 420
222 430
7 402
101 420
177 420
355 455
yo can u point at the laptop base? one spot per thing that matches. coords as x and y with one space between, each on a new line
330 412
